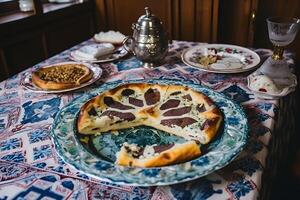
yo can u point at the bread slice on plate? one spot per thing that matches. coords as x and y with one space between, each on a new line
113 37
94 51
61 76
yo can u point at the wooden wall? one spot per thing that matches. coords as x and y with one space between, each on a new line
240 22
236 21
191 20
24 43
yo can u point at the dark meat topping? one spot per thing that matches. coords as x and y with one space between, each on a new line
127 92
123 116
207 124
157 149
175 93
178 111
152 96
110 102
92 112
201 108
182 122
187 97
136 102
171 103
161 148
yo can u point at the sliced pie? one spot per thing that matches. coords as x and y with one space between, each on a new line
157 155
61 76
174 109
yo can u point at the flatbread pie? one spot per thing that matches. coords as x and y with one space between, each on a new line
174 109
157 155
61 76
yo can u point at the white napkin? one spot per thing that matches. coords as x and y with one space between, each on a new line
95 51
114 37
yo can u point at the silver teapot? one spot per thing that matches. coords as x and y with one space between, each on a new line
149 42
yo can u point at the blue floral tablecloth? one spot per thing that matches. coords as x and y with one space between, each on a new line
31 169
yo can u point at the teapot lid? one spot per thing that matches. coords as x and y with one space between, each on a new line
149 21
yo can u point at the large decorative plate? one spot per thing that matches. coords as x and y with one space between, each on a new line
230 58
117 54
27 81
94 155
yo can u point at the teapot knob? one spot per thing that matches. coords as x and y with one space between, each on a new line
148 12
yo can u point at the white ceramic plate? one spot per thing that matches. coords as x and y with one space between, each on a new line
119 53
231 58
284 88
27 82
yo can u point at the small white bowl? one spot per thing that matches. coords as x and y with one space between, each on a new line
282 87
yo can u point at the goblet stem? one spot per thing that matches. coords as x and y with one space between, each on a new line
278 52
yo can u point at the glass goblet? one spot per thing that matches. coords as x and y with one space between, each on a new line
282 32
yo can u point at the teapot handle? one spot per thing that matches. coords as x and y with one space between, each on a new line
128 44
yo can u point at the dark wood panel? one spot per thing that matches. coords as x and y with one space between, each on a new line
235 21
199 20
3 68
191 20
121 14
187 20
204 20
100 15
67 33
24 54
30 39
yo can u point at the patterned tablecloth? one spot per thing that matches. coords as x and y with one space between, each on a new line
31 169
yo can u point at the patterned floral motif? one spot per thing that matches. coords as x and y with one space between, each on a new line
247 164
152 172
128 64
41 110
9 171
12 143
240 188
237 93
16 157
264 106
41 152
254 146
2 125
201 190
38 135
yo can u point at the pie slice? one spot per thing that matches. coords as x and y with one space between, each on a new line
61 76
157 155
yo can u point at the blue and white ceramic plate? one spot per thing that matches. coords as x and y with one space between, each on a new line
95 155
